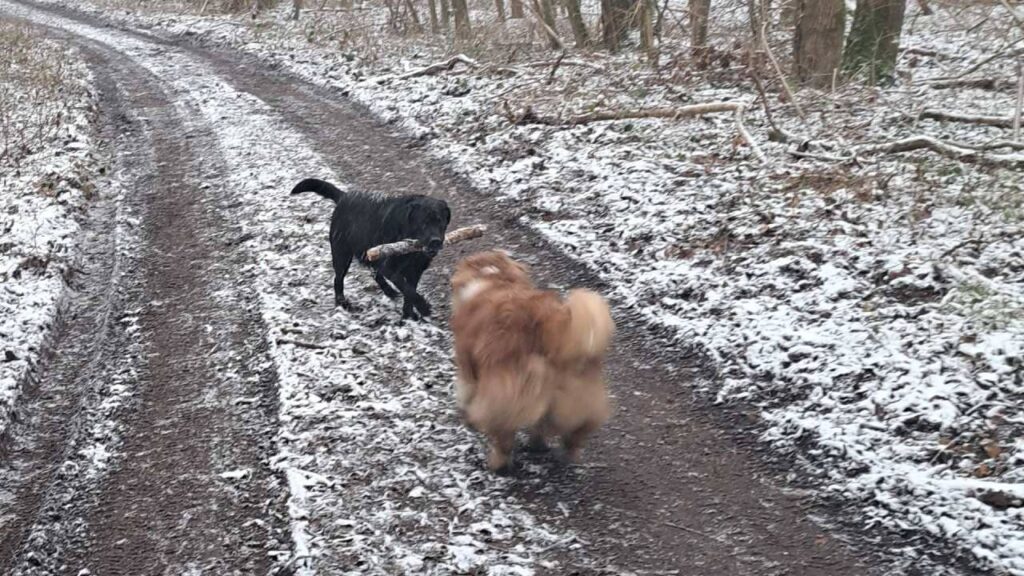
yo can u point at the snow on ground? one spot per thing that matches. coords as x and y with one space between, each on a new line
383 476
872 310
47 162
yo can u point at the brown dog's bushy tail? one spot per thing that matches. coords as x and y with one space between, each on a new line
588 331
325 189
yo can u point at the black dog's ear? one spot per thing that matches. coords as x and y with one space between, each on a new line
447 214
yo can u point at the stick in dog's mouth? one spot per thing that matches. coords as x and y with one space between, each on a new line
410 246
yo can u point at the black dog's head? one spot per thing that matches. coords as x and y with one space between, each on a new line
420 218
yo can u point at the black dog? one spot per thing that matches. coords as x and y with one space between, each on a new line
362 221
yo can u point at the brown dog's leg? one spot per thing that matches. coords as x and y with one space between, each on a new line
538 441
575 439
499 457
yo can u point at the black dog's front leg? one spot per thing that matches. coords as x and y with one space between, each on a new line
386 288
406 280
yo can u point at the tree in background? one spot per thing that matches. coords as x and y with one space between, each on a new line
699 11
579 28
874 39
818 40
615 22
462 27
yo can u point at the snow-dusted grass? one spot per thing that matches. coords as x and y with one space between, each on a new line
873 311
46 165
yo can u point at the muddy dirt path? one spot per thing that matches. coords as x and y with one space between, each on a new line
158 360
676 495
669 487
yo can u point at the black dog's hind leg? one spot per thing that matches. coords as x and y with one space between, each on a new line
386 288
341 259
412 301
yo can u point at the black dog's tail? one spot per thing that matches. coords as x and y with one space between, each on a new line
325 189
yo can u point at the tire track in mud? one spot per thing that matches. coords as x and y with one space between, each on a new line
665 490
116 467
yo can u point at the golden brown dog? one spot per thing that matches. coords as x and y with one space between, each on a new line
526 358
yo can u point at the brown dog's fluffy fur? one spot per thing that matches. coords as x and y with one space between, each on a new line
527 359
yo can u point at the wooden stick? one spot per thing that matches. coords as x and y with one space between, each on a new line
410 246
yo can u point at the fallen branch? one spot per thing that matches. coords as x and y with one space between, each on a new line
565 62
979 83
529 117
993 145
410 246
607 115
998 121
943 148
439 67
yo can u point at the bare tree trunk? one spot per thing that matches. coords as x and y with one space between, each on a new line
615 22
296 8
446 14
758 13
515 9
699 11
818 40
647 32
874 39
545 13
499 6
462 27
417 26
434 26
579 27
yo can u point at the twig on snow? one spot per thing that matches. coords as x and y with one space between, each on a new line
439 67
690 530
301 343
410 246
1020 99
742 129
554 67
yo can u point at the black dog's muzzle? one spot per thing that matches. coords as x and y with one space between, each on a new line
433 246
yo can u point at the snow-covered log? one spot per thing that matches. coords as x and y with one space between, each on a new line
410 246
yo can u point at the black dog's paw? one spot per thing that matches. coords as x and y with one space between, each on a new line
345 304
410 313
423 307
